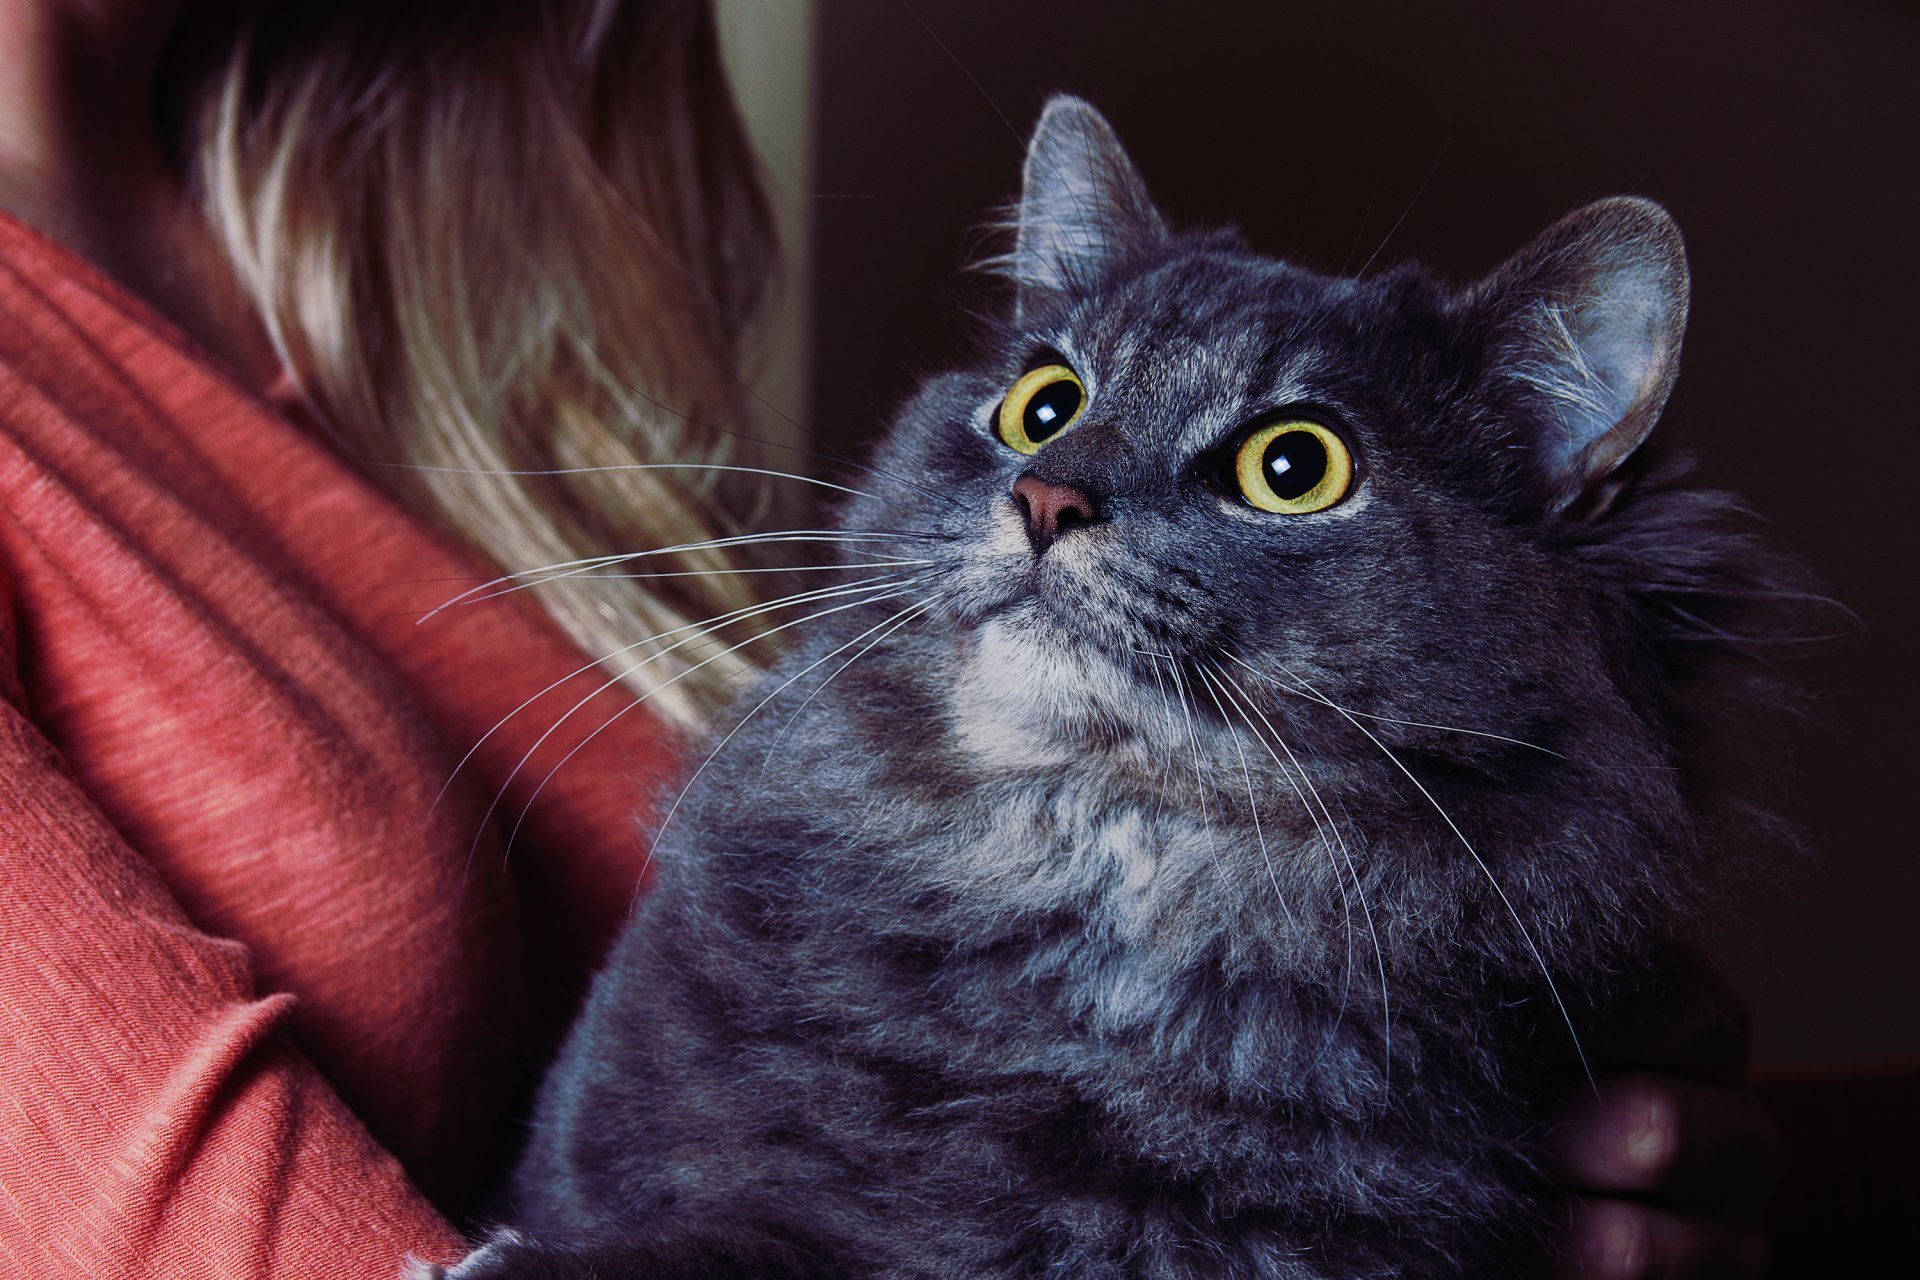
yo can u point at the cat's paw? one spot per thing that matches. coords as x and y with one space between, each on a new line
656 1251
507 1255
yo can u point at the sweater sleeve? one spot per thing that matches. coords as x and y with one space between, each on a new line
155 1117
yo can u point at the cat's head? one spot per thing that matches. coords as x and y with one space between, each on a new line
1181 448
1232 595
1194 496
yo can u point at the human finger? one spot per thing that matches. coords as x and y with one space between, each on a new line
1665 1136
1614 1239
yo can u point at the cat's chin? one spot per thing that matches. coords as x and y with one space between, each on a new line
1028 693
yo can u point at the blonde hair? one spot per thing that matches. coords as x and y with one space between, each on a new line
495 238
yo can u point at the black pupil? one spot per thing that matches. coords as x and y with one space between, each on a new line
1051 408
1295 462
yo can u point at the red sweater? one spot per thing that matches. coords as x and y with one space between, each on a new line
255 997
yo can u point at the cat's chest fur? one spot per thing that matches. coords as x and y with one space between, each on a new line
1066 997
1051 823
1072 911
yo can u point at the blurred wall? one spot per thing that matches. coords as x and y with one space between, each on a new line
1782 135
768 49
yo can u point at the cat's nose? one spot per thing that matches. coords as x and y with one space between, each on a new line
1050 509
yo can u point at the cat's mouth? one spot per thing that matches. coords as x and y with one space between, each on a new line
1076 596
1092 660
1057 610
1029 690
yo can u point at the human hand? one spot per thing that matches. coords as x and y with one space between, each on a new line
1670 1160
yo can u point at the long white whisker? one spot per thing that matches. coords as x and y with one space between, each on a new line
1417 724
890 625
904 616
1206 817
885 590
1346 855
899 590
594 570
688 418
636 466
1451 728
842 458
735 540
1475 733
702 627
797 568
1173 721
1418 192
1253 803
1161 685
886 628
1526 935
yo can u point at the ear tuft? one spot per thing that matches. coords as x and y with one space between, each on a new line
1589 317
1082 205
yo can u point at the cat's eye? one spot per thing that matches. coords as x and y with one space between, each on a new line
1293 468
1042 404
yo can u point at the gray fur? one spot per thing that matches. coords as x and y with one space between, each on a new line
978 961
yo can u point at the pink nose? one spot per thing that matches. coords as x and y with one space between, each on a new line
1051 509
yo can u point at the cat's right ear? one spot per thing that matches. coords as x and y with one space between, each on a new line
1587 322
1083 205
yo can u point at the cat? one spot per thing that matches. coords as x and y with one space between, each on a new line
1276 710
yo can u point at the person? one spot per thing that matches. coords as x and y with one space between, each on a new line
294 298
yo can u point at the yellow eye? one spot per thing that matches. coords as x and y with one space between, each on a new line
1040 406
1293 468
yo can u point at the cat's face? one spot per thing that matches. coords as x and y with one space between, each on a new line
1190 473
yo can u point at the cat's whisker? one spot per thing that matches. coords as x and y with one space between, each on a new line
1080 200
702 627
886 628
1526 935
1308 799
1212 673
904 616
1200 779
863 592
1253 802
1312 696
1173 721
1067 185
1183 728
526 809
583 562
1734 640
839 455
1311 321
796 568
1166 701
1162 661
635 466
570 568
1444 728
823 444
1406 212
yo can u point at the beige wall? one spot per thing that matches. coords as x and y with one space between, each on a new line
768 46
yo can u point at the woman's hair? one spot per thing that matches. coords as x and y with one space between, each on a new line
498 237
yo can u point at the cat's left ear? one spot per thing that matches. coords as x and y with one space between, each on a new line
1588 320
1083 205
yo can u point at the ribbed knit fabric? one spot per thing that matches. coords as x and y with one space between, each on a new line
260 1010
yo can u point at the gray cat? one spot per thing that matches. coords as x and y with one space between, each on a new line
1201 858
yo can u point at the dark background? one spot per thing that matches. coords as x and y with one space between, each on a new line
1782 136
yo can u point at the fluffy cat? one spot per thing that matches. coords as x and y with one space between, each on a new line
1197 858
